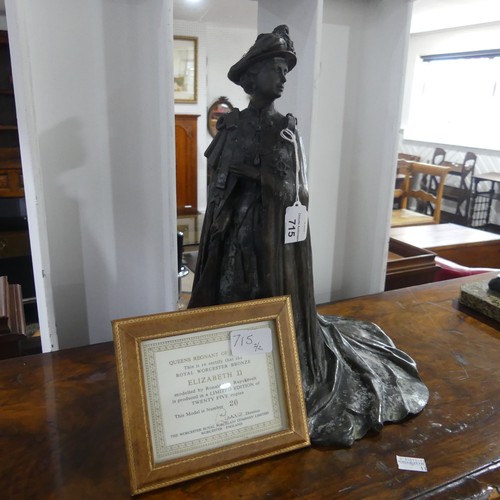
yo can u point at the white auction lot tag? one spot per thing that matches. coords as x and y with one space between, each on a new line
411 463
256 341
295 223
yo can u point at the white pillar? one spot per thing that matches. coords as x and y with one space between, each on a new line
354 146
94 92
303 17
346 92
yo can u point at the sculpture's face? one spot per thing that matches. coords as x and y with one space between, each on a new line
271 77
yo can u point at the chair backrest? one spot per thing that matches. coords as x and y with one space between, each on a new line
468 170
412 170
469 163
438 156
408 157
403 171
465 169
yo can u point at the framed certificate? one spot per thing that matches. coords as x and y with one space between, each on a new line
207 389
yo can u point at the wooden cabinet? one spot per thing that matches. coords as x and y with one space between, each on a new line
11 176
15 256
186 159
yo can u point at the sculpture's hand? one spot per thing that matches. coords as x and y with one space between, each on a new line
245 171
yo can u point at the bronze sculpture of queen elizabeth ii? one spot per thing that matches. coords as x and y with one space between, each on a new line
354 378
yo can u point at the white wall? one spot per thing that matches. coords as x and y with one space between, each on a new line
304 21
198 30
225 46
224 32
219 46
353 135
448 41
354 143
97 144
326 161
349 115
94 90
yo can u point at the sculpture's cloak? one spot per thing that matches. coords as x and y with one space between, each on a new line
354 378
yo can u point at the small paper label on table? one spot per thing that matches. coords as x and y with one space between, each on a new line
248 342
411 463
295 223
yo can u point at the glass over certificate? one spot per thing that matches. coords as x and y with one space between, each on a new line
212 388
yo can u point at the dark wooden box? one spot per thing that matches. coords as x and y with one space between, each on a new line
408 265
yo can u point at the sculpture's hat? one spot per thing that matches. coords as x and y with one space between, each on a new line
267 45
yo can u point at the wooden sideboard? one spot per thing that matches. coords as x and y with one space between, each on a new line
463 245
186 160
61 433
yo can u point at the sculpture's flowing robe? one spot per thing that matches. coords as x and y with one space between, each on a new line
354 378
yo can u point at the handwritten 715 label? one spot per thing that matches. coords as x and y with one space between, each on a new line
257 341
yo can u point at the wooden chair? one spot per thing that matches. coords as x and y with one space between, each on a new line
438 156
403 159
408 157
461 193
429 183
406 216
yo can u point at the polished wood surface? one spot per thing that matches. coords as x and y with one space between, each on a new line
61 433
402 217
463 245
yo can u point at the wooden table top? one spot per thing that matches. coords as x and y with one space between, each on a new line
439 236
61 433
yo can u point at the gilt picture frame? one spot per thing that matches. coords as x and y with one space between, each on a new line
185 69
207 389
